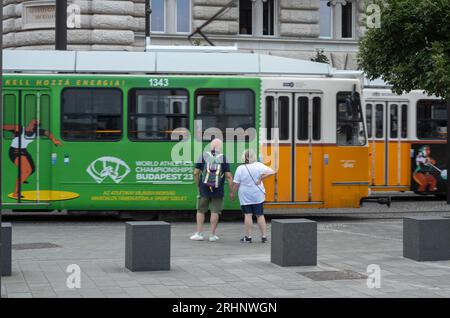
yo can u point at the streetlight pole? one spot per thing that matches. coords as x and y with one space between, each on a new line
448 151
61 25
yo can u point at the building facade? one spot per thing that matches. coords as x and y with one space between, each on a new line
290 28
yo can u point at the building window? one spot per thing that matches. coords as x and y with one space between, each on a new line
337 20
91 114
347 18
325 19
155 113
158 16
245 17
222 109
257 17
183 16
268 17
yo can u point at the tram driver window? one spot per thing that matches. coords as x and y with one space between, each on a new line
222 109
350 126
155 113
91 114
431 119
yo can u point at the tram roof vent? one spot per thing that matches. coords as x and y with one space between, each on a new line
159 62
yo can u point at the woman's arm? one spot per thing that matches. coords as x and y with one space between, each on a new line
268 172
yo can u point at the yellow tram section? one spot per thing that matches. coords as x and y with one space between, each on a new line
390 165
339 176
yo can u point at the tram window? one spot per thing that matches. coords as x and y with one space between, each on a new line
350 126
284 117
155 113
431 119
316 118
404 121
379 120
369 120
9 114
269 116
225 108
91 114
302 118
394 121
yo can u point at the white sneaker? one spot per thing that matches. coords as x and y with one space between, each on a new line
197 237
213 238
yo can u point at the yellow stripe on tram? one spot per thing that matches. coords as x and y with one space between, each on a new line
46 195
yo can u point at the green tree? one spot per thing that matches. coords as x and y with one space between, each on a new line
411 48
320 57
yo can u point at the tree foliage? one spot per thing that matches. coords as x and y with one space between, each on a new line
320 57
411 49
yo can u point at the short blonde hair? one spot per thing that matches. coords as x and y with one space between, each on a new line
248 156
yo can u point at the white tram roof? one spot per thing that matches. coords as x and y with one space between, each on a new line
161 60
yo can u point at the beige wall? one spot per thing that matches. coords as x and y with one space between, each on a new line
119 25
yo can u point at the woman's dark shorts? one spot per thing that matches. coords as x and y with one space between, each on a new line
256 209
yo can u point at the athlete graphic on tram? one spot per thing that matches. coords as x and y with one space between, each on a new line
426 173
18 154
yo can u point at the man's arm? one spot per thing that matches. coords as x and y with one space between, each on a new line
197 177
229 178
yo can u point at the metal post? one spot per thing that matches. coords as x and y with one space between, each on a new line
61 25
148 12
1 136
448 151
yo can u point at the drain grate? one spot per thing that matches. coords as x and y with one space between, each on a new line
33 246
333 275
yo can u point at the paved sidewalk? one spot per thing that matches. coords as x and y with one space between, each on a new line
225 268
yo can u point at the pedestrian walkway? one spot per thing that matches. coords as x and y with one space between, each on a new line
225 268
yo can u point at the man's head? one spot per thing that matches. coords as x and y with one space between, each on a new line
216 145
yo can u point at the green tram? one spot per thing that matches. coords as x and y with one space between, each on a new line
93 130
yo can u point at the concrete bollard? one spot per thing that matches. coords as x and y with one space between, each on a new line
294 242
6 248
426 238
147 246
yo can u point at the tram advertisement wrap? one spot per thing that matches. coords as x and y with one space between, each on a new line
429 171
114 170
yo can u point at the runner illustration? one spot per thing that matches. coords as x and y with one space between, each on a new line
27 135
426 171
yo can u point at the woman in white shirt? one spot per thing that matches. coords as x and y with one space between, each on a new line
248 182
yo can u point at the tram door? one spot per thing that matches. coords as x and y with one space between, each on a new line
387 132
26 114
293 156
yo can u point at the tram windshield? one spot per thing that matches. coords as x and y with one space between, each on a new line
350 125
